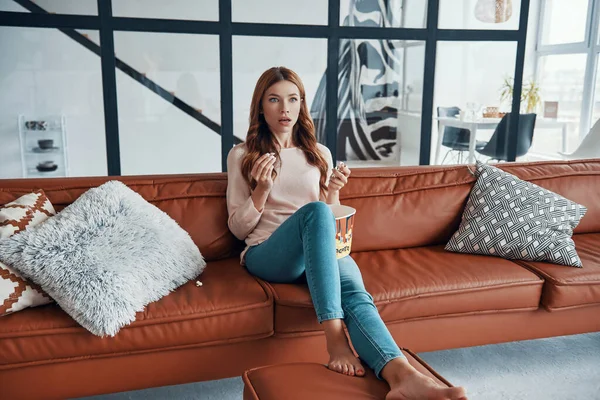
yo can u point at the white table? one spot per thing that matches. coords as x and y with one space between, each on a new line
489 123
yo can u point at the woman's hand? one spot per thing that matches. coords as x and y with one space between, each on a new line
262 172
339 178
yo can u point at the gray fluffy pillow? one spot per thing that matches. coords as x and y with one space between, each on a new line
105 257
515 219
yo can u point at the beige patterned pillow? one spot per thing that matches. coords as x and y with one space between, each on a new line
16 293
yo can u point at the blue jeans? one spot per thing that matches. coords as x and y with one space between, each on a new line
303 246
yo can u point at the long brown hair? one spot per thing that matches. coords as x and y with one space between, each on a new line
260 140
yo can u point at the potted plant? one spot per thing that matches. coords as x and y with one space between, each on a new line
530 94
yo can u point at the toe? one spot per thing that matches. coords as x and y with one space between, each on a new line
360 371
345 369
351 371
357 366
455 393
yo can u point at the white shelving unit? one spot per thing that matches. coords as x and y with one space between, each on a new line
43 146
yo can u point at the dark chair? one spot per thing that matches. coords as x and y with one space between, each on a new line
497 147
457 139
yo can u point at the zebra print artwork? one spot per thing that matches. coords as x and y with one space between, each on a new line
370 89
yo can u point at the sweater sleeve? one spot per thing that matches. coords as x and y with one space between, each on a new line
327 153
243 216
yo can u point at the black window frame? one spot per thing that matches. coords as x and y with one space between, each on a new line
225 28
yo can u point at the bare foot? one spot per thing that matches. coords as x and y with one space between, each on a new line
341 357
416 386
342 360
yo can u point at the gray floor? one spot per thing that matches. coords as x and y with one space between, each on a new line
563 368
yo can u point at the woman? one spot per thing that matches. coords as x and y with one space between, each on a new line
279 184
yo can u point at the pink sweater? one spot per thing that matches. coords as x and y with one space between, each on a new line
296 184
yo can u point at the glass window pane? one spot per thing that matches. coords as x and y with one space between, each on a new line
469 79
391 14
379 114
55 84
80 7
306 12
254 55
596 99
560 80
169 103
479 14
564 21
201 10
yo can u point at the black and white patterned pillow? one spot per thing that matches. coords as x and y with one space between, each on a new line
511 218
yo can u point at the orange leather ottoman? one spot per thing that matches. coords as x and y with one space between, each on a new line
314 381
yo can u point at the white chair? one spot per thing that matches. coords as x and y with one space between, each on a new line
589 146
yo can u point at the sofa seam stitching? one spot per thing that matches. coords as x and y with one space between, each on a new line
431 294
78 329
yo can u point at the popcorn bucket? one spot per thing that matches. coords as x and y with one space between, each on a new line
344 223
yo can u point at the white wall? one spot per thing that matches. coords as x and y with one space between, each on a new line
310 12
205 10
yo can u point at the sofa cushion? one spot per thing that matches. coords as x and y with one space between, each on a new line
572 287
105 257
230 306
421 282
511 218
17 293
26 211
315 381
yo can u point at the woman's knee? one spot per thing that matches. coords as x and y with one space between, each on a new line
316 212
317 207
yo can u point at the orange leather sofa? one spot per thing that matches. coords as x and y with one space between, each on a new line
430 299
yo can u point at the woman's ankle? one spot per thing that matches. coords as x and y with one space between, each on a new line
333 327
334 333
396 370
